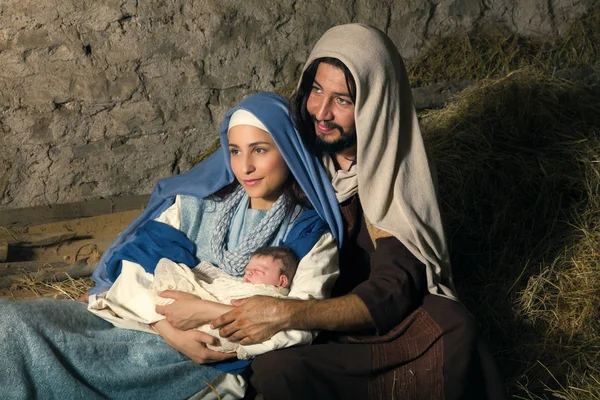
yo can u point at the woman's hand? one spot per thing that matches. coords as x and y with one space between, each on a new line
187 311
191 343
254 320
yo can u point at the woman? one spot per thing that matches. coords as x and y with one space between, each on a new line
57 349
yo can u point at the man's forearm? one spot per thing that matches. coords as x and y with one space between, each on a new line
342 314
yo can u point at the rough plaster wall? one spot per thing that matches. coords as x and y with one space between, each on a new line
101 98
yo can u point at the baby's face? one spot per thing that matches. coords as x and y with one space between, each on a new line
263 269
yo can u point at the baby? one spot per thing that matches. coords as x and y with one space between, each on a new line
269 271
132 299
272 266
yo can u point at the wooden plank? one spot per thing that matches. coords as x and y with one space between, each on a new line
76 270
49 272
3 250
18 268
34 239
11 279
61 212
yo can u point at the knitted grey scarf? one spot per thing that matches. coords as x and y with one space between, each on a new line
234 261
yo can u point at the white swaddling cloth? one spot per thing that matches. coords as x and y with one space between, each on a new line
209 283
131 301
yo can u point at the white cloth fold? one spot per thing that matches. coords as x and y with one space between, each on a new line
345 183
134 295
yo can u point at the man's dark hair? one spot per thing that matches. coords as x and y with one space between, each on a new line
289 260
298 110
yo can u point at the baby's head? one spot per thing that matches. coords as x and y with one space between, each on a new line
272 265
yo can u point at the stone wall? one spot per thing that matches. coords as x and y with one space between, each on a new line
101 98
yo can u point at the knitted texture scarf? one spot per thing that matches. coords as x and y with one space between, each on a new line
233 261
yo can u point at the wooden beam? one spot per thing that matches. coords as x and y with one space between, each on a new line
11 273
33 239
3 250
62 212
18 268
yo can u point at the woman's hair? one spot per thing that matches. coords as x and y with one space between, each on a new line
298 110
291 186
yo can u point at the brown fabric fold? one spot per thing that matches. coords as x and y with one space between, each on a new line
407 361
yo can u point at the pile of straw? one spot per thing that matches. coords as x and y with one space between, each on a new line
518 162
28 287
491 51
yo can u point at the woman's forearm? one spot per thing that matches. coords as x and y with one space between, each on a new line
215 310
191 343
188 311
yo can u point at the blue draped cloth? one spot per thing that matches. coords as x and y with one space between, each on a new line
152 241
57 349
305 233
215 172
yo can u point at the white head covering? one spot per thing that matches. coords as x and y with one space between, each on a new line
392 174
243 117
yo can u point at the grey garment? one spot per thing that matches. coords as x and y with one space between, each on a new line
199 217
56 349
234 260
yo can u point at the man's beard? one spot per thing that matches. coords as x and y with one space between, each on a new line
346 140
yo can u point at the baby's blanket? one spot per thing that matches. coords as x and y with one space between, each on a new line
131 301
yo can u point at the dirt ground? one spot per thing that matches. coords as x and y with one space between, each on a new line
92 236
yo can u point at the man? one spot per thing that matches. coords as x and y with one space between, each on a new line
394 329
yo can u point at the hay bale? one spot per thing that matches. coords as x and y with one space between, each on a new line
492 51
518 161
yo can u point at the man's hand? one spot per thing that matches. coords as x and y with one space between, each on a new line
254 320
191 343
187 311
258 318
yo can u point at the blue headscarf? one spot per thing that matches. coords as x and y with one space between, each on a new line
215 173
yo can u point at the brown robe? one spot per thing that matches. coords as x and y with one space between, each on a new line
423 346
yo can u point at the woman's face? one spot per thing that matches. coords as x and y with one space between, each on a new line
257 165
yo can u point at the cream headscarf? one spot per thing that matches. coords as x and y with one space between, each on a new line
392 174
243 117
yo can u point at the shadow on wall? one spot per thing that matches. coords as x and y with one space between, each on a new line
518 163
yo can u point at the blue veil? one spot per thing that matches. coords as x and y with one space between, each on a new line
215 172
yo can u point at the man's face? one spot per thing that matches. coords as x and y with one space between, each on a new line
332 110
